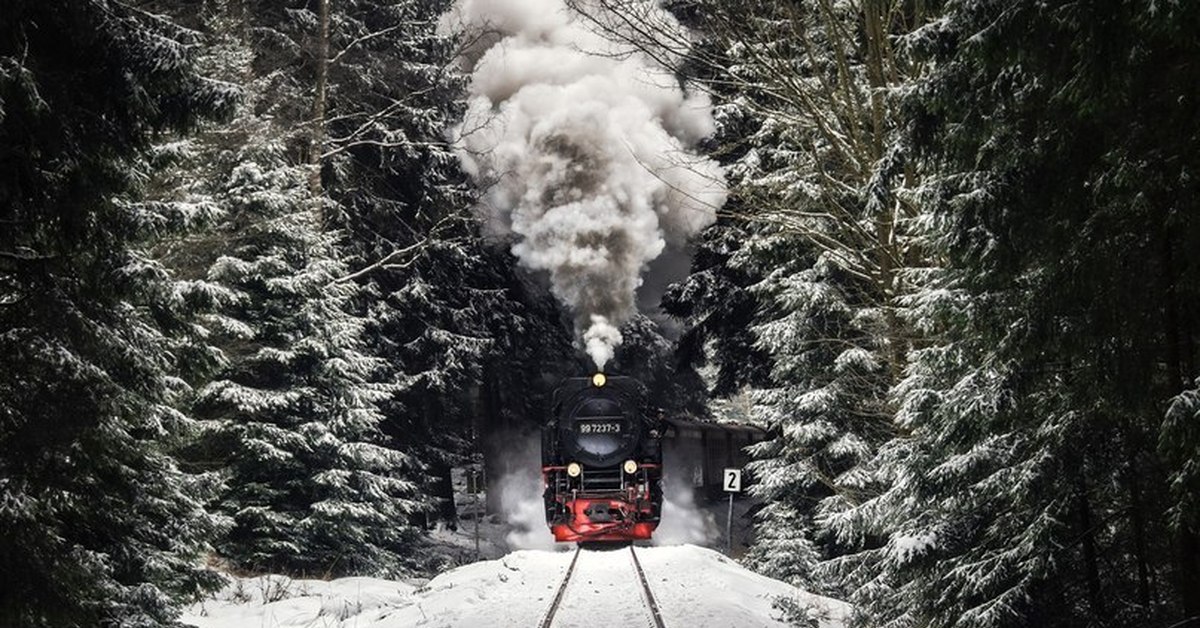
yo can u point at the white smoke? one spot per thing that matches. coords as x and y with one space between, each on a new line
583 145
601 340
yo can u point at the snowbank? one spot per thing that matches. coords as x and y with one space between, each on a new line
695 588
281 602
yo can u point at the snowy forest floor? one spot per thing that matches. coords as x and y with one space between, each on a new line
694 586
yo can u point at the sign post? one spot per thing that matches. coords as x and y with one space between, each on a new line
732 483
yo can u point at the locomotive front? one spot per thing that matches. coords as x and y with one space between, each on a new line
601 462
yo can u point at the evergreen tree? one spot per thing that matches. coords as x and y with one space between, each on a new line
312 486
828 409
716 306
450 314
292 406
101 526
1028 486
820 181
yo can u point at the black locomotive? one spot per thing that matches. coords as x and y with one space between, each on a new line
601 462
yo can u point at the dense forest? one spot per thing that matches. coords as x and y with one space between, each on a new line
251 316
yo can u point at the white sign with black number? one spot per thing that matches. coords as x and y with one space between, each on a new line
733 481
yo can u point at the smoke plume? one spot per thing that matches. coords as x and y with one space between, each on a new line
584 145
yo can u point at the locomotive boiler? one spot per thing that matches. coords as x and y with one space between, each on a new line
601 462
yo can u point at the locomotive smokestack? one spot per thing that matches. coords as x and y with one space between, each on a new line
585 147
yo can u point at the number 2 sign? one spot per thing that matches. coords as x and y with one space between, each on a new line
733 481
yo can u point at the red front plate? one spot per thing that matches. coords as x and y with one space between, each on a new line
623 528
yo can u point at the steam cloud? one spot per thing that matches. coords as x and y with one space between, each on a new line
520 490
521 498
682 520
683 523
583 143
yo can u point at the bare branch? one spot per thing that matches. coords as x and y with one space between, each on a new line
365 38
403 257
27 257
379 143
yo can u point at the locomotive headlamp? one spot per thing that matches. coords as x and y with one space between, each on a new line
630 467
599 380
574 469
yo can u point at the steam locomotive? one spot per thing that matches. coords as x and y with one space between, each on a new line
601 462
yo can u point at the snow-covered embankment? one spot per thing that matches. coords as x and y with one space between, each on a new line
695 588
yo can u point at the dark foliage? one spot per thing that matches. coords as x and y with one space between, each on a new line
101 528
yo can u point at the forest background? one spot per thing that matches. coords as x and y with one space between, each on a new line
246 313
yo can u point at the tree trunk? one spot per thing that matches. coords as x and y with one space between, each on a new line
317 123
1187 543
879 71
1136 516
442 488
1139 542
494 432
1091 566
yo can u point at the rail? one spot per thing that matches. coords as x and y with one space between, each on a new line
647 595
548 620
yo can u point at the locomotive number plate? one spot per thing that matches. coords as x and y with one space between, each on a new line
599 427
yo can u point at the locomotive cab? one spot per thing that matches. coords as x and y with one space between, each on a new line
601 462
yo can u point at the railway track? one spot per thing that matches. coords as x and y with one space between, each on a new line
548 620
651 604
620 600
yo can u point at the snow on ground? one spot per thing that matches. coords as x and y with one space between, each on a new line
701 588
278 601
695 588
605 585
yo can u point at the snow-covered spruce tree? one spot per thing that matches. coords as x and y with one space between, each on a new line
1179 445
454 321
100 526
428 291
439 306
1029 485
291 409
827 407
311 485
820 180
